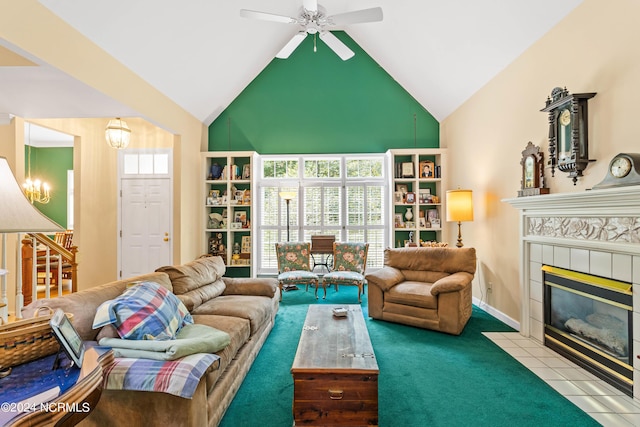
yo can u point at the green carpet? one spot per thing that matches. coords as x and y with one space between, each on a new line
426 378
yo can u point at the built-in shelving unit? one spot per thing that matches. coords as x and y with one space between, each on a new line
227 200
417 194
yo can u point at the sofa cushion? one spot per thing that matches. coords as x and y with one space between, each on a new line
238 329
197 281
447 260
415 294
84 304
146 311
255 309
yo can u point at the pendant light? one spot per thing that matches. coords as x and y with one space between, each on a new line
117 133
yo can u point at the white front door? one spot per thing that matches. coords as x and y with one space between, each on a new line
145 220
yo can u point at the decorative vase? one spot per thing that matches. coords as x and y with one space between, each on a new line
408 215
216 171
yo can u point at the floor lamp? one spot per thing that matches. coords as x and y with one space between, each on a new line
287 196
17 215
459 208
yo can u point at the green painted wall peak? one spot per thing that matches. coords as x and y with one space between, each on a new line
313 102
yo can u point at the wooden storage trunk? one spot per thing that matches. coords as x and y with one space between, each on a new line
335 373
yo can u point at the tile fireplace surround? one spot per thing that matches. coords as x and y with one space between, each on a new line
595 232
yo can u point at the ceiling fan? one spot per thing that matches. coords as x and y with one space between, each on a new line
314 20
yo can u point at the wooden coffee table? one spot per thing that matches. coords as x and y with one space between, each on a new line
335 373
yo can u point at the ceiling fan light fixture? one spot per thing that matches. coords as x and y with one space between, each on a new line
314 20
117 133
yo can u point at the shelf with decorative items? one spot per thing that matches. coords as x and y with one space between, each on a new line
227 209
417 196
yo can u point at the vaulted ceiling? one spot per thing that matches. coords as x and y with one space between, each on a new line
202 54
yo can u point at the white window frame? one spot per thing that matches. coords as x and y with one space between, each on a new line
299 184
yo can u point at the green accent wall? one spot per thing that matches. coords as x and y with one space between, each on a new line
313 102
51 165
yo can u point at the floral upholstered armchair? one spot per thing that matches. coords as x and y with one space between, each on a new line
294 267
349 263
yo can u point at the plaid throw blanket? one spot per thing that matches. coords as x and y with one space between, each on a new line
178 377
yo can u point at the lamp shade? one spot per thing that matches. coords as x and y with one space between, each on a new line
117 133
287 195
17 214
459 205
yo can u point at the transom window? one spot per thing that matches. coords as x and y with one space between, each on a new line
339 195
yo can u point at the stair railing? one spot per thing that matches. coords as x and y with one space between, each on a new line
52 259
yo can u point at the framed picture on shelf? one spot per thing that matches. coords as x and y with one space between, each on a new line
246 245
246 172
398 220
427 169
210 201
410 197
432 214
435 223
235 225
397 197
241 217
422 222
402 188
407 170
424 195
410 224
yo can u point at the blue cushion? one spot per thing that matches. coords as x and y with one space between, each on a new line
146 311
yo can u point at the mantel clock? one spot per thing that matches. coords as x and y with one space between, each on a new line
532 183
624 169
568 132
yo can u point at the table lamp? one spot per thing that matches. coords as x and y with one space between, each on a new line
17 215
459 208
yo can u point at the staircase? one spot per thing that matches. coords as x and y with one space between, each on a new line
48 263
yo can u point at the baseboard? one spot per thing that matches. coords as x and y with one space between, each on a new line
496 313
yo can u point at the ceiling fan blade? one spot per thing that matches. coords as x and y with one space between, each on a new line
291 45
356 17
336 45
252 14
310 5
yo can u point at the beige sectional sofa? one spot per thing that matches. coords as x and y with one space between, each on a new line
245 308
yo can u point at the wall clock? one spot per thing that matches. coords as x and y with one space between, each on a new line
532 163
568 132
624 169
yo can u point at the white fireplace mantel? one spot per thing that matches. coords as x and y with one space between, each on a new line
595 232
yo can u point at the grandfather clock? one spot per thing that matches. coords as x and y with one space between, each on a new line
568 132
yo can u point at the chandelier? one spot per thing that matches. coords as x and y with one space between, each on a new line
117 133
34 189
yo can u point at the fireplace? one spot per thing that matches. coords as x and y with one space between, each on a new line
595 233
589 320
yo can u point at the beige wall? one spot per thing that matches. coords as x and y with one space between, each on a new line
594 49
31 27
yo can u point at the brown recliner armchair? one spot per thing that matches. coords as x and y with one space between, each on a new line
428 288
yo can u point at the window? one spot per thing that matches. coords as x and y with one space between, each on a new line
140 163
339 195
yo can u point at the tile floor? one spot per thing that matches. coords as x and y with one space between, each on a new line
605 404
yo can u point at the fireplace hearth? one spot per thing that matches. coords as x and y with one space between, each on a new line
588 319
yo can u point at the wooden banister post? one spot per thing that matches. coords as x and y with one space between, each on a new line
74 269
27 270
